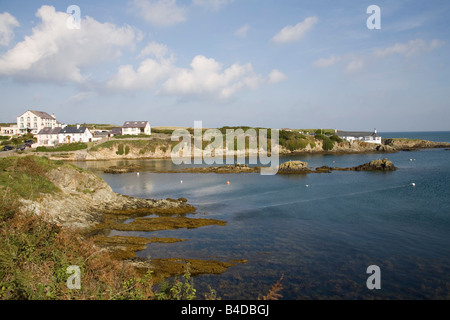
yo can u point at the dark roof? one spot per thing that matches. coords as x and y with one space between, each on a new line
116 130
135 124
73 130
43 115
356 134
50 130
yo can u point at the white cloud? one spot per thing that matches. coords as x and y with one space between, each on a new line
295 33
154 49
212 4
326 62
147 75
408 49
56 53
80 97
206 77
276 76
242 31
161 13
354 66
7 24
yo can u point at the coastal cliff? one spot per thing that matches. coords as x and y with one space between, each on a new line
70 196
161 148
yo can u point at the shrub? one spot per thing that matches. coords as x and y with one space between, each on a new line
327 144
336 138
120 150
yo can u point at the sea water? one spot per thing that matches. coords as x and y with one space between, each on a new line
319 231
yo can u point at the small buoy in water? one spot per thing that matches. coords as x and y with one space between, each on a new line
228 182
181 181
411 160
307 186
413 184
138 173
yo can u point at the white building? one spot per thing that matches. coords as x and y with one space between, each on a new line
136 128
9 131
53 136
75 134
369 137
35 121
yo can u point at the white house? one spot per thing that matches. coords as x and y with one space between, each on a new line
369 137
9 131
136 128
53 136
75 134
35 121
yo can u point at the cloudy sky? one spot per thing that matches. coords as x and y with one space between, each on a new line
290 63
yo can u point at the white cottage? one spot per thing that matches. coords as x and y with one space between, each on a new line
369 137
136 128
54 136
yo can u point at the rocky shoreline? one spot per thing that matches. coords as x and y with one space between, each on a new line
289 167
161 149
86 204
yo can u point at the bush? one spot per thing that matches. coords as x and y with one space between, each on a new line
327 144
336 138
120 149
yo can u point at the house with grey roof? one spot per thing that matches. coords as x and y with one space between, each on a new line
53 136
136 128
34 121
351 136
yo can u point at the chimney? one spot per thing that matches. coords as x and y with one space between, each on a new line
78 126
375 130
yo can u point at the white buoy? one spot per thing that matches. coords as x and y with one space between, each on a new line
307 186
410 160
413 184
138 173
181 181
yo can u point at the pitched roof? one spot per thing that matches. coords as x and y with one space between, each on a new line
73 130
43 115
356 134
116 130
135 124
50 130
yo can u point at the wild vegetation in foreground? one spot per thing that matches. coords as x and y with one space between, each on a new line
35 254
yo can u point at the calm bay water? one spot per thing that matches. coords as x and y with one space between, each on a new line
321 231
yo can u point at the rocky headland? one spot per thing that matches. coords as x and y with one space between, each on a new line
149 148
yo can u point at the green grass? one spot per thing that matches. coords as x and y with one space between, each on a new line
65 147
140 136
123 147
25 177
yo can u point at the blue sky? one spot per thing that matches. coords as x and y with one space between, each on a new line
297 64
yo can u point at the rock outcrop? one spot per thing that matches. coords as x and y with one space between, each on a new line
377 165
84 198
293 167
374 165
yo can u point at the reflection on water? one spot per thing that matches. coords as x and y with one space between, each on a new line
321 231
